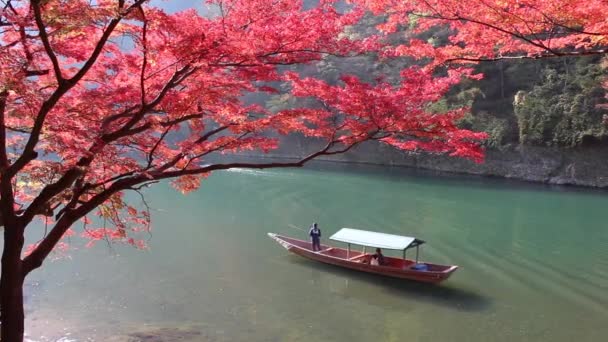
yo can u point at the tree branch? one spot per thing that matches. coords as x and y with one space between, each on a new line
102 42
153 150
36 258
124 114
144 62
217 167
181 155
64 86
125 130
29 73
3 157
533 57
51 190
45 41
148 125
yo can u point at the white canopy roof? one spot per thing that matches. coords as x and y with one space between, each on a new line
375 239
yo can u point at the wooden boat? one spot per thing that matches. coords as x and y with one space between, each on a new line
361 261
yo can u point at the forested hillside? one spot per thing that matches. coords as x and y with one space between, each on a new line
551 107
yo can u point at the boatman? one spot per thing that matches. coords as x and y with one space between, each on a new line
315 235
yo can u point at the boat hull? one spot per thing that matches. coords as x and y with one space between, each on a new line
396 268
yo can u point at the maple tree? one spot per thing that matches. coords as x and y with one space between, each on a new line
99 98
102 97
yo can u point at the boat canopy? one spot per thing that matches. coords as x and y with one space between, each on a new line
375 239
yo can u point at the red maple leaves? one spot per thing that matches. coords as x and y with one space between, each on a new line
487 30
103 97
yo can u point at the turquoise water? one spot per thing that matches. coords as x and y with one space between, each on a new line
534 264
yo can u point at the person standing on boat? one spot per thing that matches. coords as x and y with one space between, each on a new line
315 235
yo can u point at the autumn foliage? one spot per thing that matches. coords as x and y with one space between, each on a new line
98 99
102 97
498 29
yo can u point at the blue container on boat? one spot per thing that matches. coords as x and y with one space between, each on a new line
420 267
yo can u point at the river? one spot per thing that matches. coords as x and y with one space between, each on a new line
534 264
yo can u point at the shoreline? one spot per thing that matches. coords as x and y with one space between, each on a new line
337 164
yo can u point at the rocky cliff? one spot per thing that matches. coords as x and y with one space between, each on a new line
582 166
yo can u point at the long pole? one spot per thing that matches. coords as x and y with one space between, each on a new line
295 227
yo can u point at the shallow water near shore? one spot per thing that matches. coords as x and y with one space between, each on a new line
534 264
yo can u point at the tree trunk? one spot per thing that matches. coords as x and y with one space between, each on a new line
11 287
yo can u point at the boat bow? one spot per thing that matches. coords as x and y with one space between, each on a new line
281 242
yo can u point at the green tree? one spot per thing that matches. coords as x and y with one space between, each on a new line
565 108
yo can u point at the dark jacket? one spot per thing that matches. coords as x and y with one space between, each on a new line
315 233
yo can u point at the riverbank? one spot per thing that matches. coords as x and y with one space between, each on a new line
584 166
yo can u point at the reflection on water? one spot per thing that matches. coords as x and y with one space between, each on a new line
534 265
402 294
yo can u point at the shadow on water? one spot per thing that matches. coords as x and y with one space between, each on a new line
399 294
